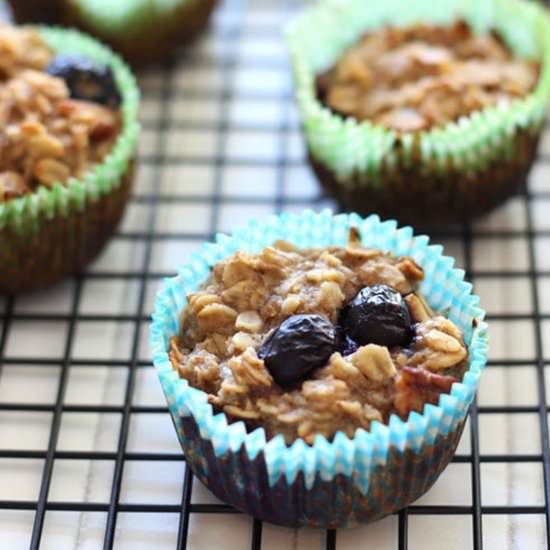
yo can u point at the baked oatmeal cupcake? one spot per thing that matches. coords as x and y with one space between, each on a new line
141 30
429 112
68 108
319 369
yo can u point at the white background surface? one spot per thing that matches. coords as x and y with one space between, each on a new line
254 165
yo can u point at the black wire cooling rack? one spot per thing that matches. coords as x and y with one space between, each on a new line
221 142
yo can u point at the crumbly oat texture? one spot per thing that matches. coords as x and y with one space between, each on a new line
412 79
248 296
45 136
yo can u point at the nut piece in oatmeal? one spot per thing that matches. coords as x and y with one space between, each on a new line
267 337
47 135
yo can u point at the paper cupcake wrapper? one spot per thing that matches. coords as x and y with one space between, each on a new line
49 222
128 15
108 18
348 480
426 197
365 151
31 11
141 30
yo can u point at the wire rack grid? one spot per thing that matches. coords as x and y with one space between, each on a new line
88 457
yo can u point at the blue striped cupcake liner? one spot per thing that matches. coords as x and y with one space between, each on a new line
330 483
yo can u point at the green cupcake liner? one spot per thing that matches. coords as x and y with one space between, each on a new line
141 30
33 11
113 18
361 154
438 197
29 225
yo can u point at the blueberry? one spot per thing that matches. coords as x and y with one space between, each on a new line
345 344
86 79
378 315
299 345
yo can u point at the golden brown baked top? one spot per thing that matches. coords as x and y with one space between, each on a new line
233 347
416 78
46 136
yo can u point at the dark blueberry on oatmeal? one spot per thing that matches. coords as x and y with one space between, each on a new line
345 345
348 346
299 345
378 315
86 79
